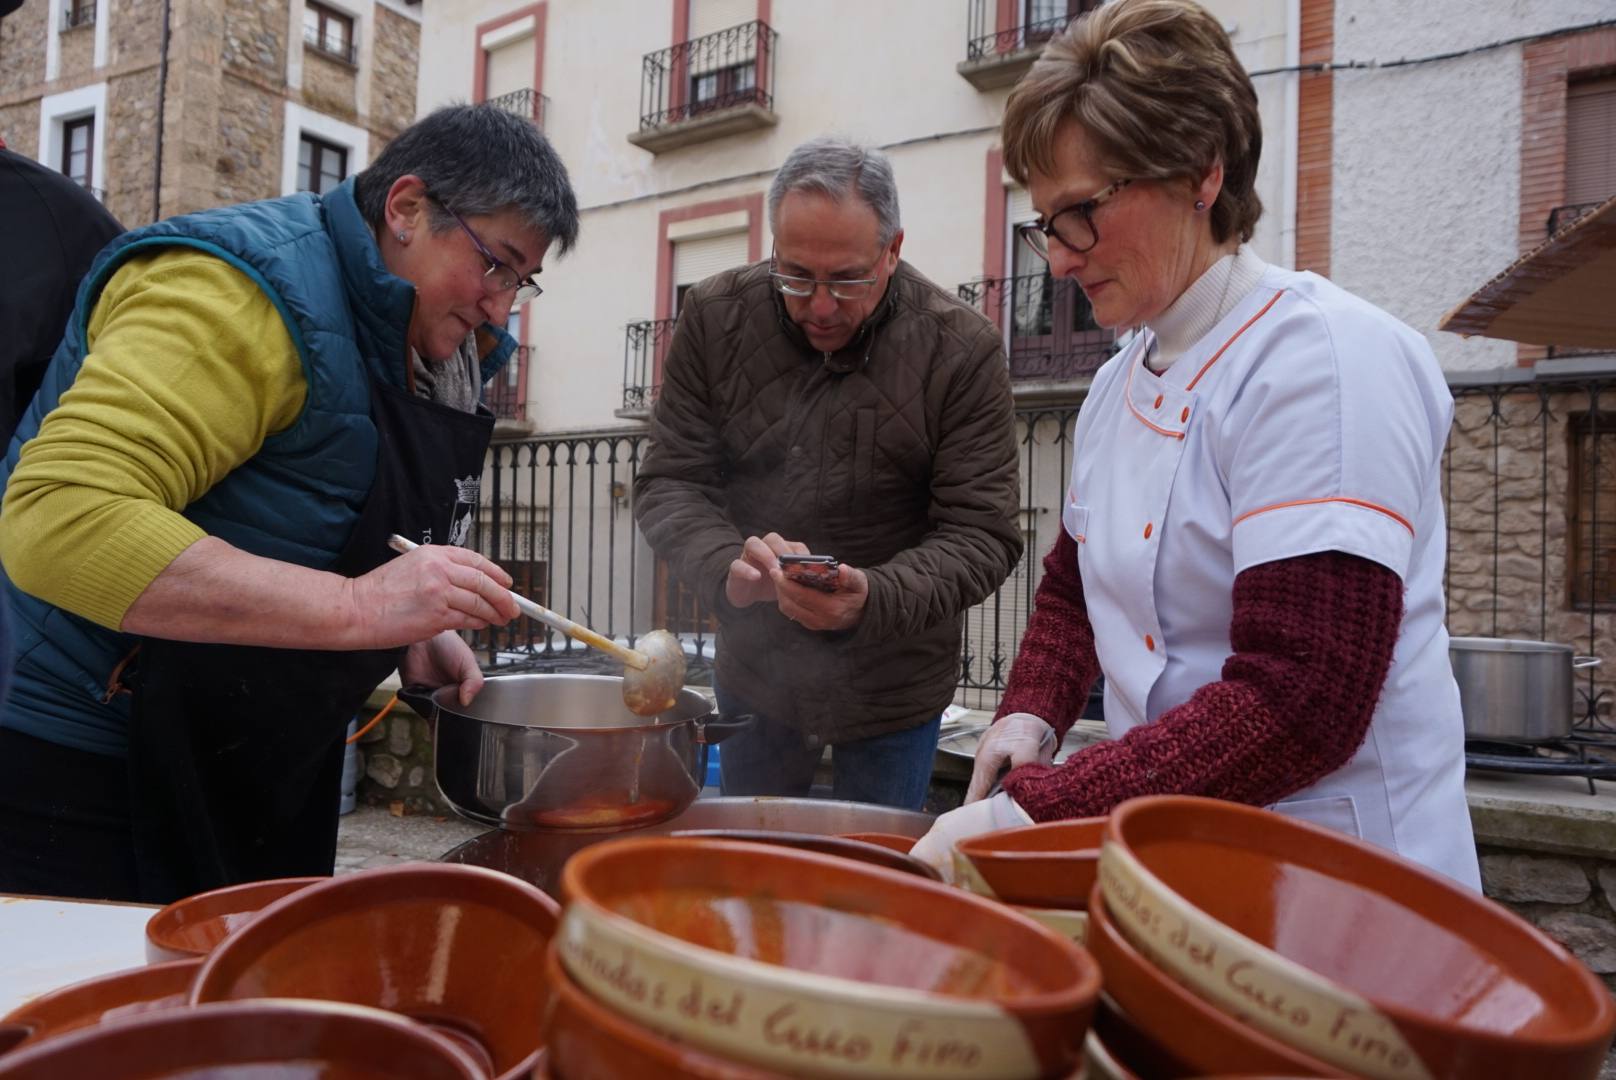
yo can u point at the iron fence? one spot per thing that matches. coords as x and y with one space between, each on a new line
506 393
1528 481
1048 327
645 346
717 71
1035 22
526 103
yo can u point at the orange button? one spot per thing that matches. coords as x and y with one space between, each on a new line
1147 530
1150 643
1158 402
1185 415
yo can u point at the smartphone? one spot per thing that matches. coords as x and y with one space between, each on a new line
815 571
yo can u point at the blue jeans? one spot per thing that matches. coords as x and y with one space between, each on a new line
773 759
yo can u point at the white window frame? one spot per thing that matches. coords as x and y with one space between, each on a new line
300 122
55 109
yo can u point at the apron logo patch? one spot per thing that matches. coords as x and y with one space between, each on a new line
466 493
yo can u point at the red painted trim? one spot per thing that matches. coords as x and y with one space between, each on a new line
479 73
1007 17
752 204
680 75
765 9
994 215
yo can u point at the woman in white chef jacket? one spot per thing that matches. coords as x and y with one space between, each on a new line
1253 539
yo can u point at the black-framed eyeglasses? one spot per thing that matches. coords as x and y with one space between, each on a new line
840 288
1073 226
499 277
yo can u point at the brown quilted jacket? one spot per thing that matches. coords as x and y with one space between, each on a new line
897 455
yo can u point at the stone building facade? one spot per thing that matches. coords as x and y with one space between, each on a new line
245 84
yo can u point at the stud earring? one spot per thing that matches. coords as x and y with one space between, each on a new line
403 236
1199 206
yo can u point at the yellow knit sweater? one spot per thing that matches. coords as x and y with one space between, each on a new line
189 369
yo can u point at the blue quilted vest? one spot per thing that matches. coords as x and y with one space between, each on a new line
298 499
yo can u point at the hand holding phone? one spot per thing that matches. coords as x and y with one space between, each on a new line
815 571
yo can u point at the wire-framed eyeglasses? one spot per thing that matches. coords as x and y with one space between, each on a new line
499 277
840 288
1072 226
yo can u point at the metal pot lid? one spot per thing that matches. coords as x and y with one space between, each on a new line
1506 645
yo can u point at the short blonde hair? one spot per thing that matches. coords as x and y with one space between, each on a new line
1158 91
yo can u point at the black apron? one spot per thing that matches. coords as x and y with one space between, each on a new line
236 751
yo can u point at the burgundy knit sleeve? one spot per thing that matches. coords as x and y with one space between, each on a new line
1313 638
1056 665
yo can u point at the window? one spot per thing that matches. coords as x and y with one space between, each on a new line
1051 328
321 166
1043 19
1590 175
329 31
1592 510
78 149
731 85
78 13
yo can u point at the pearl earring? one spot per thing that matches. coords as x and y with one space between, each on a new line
1199 206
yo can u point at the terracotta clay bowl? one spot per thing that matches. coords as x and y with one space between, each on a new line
1160 1010
133 992
1362 958
1050 865
294 1040
194 925
449 946
903 844
844 846
814 965
584 1040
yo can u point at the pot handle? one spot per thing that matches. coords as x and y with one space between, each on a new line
419 698
1580 662
715 727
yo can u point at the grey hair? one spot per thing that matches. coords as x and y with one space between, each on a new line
479 160
837 168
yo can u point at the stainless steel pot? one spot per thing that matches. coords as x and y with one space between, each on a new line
537 857
564 752
1513 690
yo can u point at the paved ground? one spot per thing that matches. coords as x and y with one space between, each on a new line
372 836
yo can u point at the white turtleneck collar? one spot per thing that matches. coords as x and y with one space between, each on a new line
1201 306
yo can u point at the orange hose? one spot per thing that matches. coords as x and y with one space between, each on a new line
373 721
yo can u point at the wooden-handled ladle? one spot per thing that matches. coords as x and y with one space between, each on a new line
653 674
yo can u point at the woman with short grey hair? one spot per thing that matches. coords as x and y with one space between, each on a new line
247 403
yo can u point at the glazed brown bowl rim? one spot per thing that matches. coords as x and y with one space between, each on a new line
157 924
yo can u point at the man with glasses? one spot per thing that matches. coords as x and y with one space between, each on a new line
831 401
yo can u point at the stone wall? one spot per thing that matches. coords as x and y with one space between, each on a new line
22 55
1573 900
77 46
1518 586
19 126
255 39
330 86
137 32
131 146
397 756
248 160
395 61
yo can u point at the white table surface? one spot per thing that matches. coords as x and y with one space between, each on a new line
46 944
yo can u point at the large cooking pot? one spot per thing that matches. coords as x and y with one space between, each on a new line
563 752
1512 690
537 857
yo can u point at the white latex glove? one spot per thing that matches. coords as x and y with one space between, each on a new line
1016 739
936 848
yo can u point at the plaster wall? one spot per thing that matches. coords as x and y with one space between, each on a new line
1427 157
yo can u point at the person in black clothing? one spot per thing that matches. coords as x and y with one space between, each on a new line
52 229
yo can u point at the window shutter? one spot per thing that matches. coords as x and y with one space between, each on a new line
510 67
1591 141
711 16
1018 206
703 257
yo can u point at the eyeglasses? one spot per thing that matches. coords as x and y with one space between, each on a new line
499 277
840 288
1073 226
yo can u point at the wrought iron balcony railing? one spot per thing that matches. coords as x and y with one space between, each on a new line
1037 22
645 345
1049 329
326 45
1561 216
719 71
525 103
506 393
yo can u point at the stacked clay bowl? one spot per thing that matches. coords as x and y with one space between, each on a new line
287 1040
1052 865
135 992
1344 951
456 948
814 965
846 847
195 925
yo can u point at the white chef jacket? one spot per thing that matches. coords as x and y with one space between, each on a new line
1307 420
